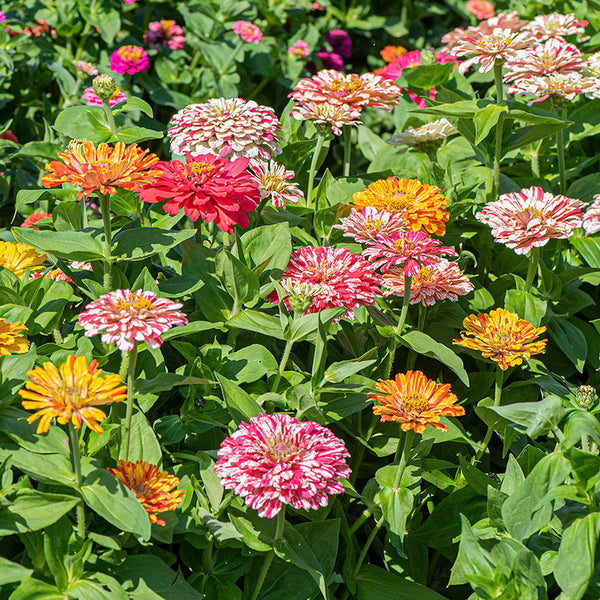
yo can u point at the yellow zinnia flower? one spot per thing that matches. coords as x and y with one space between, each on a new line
19 257
11 340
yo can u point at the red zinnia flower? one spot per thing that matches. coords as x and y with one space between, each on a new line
32 219
207 188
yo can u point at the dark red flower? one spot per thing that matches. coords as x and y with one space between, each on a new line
9 135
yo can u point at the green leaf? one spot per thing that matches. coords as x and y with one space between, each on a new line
139 243
463 109
241 405
240 282
67 217
253 320
375 583
84 122
249 364
11 572
72 245
589 248
570 340
472 561
526 305
34 589
579 423
134 103
167 381
268 247
107 496
486 119
143 443
425 77
129 135
340 371
396 505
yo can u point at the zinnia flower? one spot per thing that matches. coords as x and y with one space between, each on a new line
326 116
357 91
510 21
391 53
367 224
273 183
529 218
152 487
559 87
502 336
229 127
32 219
9 135
124 317
71 394
299 49
421 206
345 279
442 281
247 31
164 33
415 402
412 250
330 60
54 274
555 25
102 169
482 9
86 67
207 188
129 59
276 460
92 99
428 137
17 257
591 218
11 338
340 42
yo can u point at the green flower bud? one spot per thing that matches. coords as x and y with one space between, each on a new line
104 86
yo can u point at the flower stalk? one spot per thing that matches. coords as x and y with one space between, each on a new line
499 128
105 210
130 395
76 457
347 129
534 259
490 430
313 168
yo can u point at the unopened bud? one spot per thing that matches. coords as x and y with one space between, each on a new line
428 57
104 86
300 294
586 396
77 145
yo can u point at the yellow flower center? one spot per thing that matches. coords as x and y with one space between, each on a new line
131 52
271 182
135 304
397 201
373 223
198 168
425 275
342 84
414 402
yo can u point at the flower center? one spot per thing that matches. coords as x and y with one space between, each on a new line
342 84
197 168
134 304
425 275
373 223
397 201
271 182
414 402
130 52
281 450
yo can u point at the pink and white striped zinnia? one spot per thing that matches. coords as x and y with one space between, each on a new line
124 317
365 225
530 218
276 460
591 218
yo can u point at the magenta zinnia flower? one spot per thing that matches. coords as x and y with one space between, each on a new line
529 218
442 281
276 460
93 100
327 116
247 31
340 42
164 33
274 182
344 278
331 60
207 188
229 127
411 250
365 225
129 59
124 317
555 25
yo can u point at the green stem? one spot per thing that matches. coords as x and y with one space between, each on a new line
124 365
147 13
76 455
105 210
198 235
231 58
405 303
499 127
284 359
347 149
195 61
84 219
585 442
313 168
534 259
490 430
130 395
535 159
363 517
84 36
498 80
365 549
271 555
406 447
110 117
560 151
412 355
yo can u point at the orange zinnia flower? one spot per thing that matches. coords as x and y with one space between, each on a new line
151 486
102 169
502 336
70 395
421 206
11 339
18 258
415 401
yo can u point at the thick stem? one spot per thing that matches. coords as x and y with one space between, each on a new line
313 168
195 60
560 152
365 549
84 219
271 555
412 355
405 303
130 395
110 117
498 80
534 259
490 430
198 235
499 127
105 210
284 359
76 456
347 149
406 447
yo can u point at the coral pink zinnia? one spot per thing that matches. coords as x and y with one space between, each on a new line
207 188
529 218
164 33
299 49
345 279
276 460
129 59
247 31
482 9
92 99
124 317
229 127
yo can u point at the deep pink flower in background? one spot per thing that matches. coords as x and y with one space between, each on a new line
316 6
229 127
365 225
276 460
331 60
344 278
591 218
274 181
128 2
340 42
124 317
247 31
93 100
327 116
206 187
164 33
129 59
443 280
410 250
86 67
555 25
560 85
2 16
482 9
299 49
530 218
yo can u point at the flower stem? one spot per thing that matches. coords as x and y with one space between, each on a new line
405 303
231 58
130 394
84 36
490 430
271 555
105 210
499 127
347 149
412 355
560 152
365 549
534 259
84 219
110 117
76 455
406 448
284 359
313 168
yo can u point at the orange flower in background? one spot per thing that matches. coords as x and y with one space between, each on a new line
71 394
421 206
32 219
11 339
102 169
502 336
152 487
19 257
415 401
391 53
